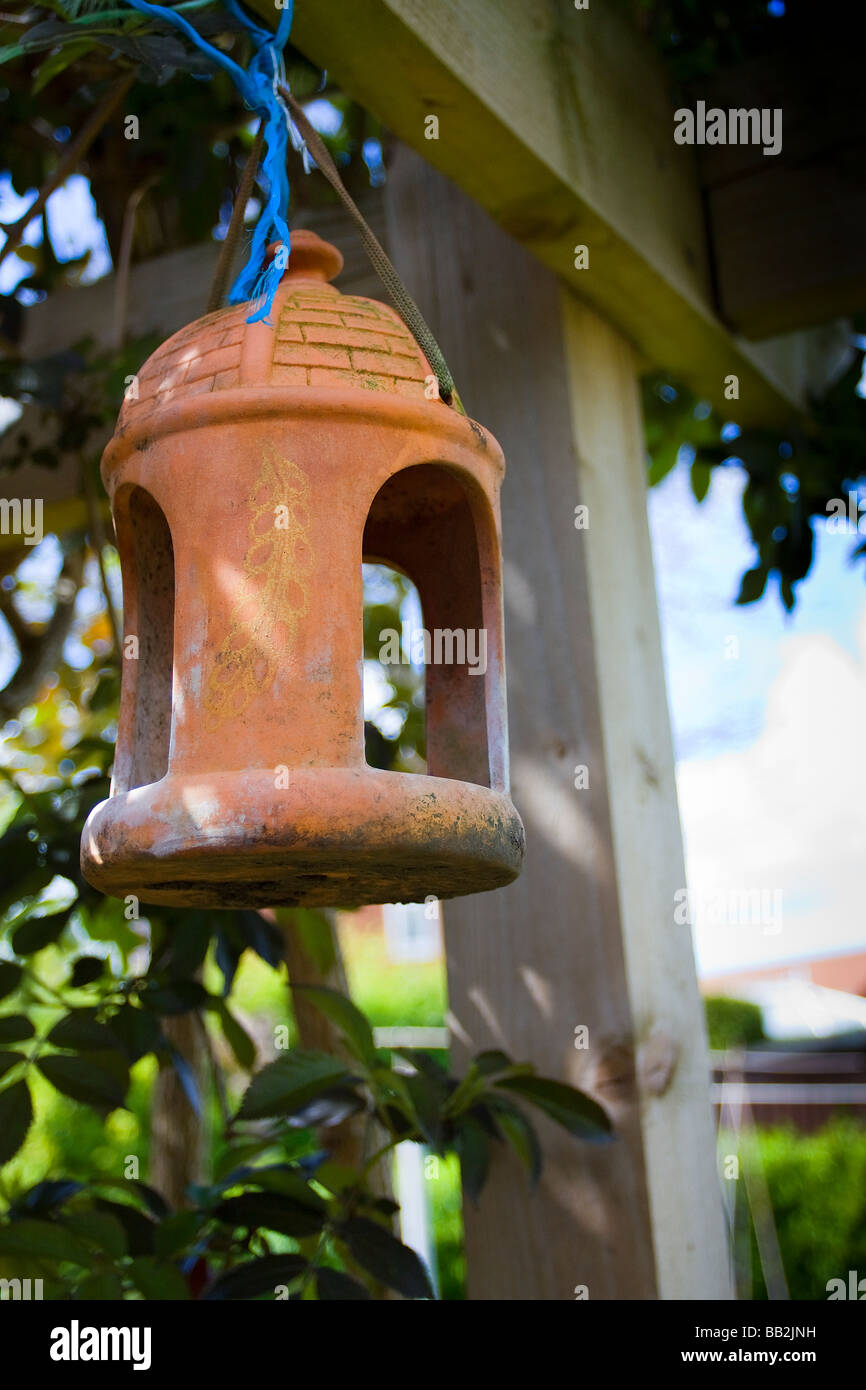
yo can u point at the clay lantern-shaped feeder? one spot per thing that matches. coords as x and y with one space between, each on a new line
258 467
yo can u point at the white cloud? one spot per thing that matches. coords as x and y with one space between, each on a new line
788 812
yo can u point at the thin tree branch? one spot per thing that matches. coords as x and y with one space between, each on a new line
99 540
67 163
124 260
41 650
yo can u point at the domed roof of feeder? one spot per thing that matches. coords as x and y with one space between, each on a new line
315 336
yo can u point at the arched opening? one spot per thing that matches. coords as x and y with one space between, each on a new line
147 561
422 523
395 714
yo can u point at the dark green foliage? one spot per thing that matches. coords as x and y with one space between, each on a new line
697 39
16 1115
384 1257
792 477
122 1234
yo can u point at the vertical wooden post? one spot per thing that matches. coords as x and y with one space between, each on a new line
586 937
667 1013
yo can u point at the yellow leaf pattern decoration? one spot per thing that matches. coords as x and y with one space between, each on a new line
274 594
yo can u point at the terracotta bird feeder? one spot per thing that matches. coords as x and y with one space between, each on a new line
257 468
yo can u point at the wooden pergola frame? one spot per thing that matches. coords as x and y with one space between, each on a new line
558 122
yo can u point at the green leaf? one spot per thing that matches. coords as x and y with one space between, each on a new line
177 1232
102 1288
332 1285
427 1095
384 1205
347 1017
15 1028
157 1280
138 1031
327 1109
385 1257
99 1228
85 970
699 478
82 1080
105 922
182 947
153 1200
56 62
105 693
238 1038
262 936
30 255
45 1196
753 584
256 1277
10 977
570 1108
289 1083
140 1231
240 1152
421 1061
520 1134
270 1211
16 1115
663 460
44 1240
290 1182
467 1092
490 1063
39 932
8 1060
472 1146
81 1031
178 997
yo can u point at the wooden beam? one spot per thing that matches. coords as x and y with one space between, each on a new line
559 123
586 935
169 291
787 229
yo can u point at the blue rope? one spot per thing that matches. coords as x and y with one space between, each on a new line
258 88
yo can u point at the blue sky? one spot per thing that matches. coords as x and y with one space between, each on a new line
700 551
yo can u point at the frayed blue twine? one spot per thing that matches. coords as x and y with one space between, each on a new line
259 88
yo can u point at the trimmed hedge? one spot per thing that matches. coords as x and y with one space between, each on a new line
732 1022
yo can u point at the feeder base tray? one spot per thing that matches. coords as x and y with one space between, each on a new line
333 837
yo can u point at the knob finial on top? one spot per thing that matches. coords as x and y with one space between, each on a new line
311 258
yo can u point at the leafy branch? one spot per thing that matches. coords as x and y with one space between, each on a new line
794 478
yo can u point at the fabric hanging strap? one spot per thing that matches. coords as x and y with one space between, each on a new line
400 296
